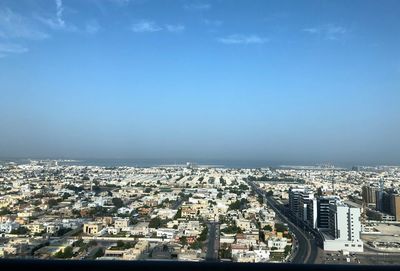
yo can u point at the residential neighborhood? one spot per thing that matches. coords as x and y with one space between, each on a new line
125 213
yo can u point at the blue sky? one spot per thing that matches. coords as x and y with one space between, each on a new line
305 81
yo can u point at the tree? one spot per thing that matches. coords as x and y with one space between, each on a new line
203 234
147 190
59 254
196 245
185 197
232 229
96 189
68 253
99 253
4 211
225 251
117 202
234 205
280 227
287 249
52 203
155 222
63 231
20 230
270 193
243 201
178 214
78 243
76 212
267 228
183 240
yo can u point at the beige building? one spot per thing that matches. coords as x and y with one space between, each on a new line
121 223
396 207
36 228
92 228
134 253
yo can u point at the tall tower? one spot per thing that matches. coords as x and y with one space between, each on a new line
381 184
379 195
333 185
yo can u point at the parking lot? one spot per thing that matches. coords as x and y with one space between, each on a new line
365 258
338 258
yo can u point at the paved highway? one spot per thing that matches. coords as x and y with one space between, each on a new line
213 242
306 250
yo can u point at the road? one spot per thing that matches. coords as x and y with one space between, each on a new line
177 204
213 242
306 250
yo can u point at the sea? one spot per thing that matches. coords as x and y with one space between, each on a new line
226 163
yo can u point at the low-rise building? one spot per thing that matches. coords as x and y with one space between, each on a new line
92 228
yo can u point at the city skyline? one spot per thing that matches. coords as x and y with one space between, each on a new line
301 215
306 82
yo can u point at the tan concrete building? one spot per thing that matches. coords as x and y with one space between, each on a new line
121 223
92 228
396 206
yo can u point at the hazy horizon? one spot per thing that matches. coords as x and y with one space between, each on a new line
220 80
234 163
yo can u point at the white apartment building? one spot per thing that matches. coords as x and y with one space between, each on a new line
166 233
8 227
344 228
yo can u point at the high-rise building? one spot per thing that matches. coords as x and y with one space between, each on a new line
344 231
379 196
323 203
306 198
386 205
299 198
388 202
395 207
339 223
369 195
312 213
294 200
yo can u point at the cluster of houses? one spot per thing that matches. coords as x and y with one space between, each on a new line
161 213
